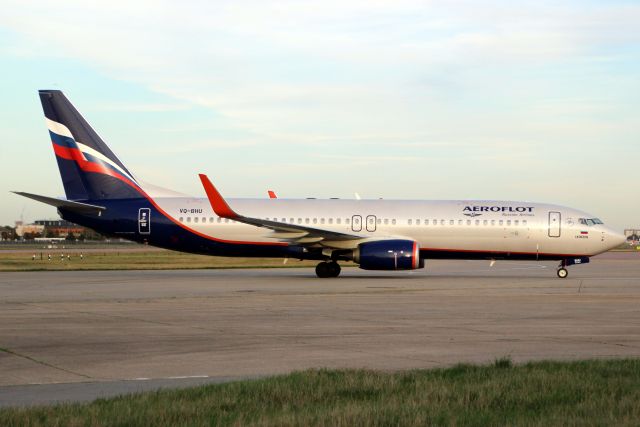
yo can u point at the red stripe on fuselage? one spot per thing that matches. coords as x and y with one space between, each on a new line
75 155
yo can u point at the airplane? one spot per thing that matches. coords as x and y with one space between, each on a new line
102 194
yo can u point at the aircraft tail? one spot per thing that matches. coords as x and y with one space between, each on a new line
89 169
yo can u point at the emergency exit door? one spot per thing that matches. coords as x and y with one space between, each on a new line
554 224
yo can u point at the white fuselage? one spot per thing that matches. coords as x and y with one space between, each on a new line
447 226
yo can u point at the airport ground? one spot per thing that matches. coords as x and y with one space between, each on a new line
77 335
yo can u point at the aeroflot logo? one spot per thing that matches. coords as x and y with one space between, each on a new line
477 210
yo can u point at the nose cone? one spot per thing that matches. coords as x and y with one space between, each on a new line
615 239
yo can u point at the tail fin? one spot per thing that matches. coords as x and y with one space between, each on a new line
89 169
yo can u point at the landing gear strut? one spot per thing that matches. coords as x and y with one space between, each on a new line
328 269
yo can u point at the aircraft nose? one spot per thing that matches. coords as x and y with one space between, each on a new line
615 238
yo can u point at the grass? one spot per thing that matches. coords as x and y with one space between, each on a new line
590 393
134 260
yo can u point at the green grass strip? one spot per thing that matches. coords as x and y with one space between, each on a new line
585 393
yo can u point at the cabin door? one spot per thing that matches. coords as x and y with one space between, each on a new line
554 224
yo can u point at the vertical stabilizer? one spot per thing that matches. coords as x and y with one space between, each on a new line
89 169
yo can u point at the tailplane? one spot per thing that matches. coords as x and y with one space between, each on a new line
89 169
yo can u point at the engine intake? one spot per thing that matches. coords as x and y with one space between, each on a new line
389 255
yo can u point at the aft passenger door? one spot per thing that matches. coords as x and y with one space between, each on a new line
554 224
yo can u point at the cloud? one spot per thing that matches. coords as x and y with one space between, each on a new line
462 82
143 108
326 68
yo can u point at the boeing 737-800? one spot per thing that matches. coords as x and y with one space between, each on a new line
102 194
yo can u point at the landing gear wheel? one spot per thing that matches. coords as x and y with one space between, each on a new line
327 269
562 273
322 270
334 268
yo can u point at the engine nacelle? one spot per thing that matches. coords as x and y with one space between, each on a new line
388 255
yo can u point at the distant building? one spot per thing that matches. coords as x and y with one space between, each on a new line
61 228
28 229
55 228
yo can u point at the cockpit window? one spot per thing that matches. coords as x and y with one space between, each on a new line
590 221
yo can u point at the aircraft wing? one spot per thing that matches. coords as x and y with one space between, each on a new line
284 231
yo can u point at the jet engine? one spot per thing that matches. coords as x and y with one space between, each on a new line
394 254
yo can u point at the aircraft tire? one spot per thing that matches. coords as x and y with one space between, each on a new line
334 268
562 273
327 269
322 270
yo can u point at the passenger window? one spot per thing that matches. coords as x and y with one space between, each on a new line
181 219
500 222
493 222
386 221
524 222
347 221
451 222
442 222
330 220
477 222
459 222
195 219
204 219
299 220
321 220
508 222
210 219
188 219
379 221
284 219
226 220
516 222
426 222
393 221
306 220
409 221
338 221
468 222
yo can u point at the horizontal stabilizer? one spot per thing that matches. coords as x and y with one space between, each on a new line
60 203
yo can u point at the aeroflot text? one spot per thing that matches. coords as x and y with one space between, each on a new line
498 209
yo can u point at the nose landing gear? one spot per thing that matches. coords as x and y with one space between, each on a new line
328 269
562 272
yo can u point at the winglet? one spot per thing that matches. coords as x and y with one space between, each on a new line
272 194
219 205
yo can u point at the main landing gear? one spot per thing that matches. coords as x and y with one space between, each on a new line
328 269
562 272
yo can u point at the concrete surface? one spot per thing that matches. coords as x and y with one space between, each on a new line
124 329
